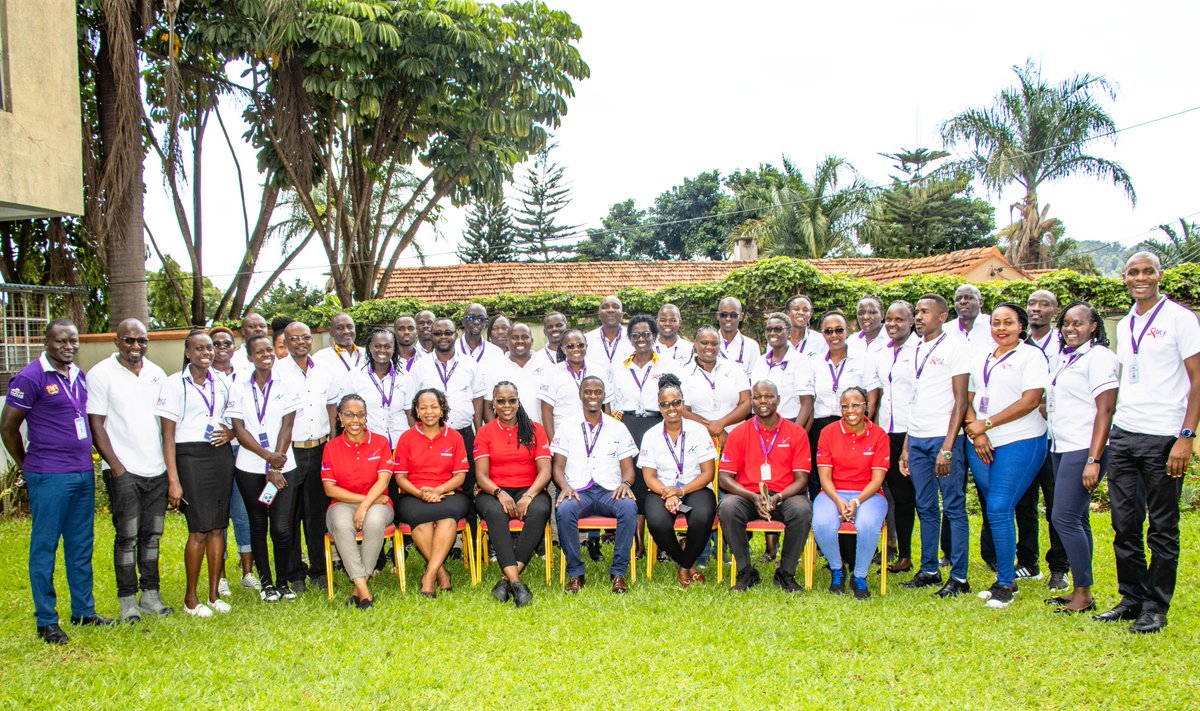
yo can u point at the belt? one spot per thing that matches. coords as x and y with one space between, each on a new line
311 443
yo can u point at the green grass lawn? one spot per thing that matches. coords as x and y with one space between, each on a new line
657 647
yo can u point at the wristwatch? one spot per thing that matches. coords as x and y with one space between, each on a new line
987 424
1187 434
1093 460
946 454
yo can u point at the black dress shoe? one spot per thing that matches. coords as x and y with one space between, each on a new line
502 591
93 621
923 580
1148 622
786 581
593 549
953 588
53 634
1123 611
520 594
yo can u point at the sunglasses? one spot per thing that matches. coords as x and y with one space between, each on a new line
728 314
774 329
476 319
834 331
441 334
574 346
222 344
668 404
507 401
646 336
130 340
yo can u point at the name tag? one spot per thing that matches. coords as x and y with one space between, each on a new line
764 472
1134 374
80 428
262 439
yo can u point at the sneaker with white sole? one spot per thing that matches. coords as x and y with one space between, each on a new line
1027 573
1058 581
223 588
220 606
287 593
250 581
200 610
990 592
1002 597
269 594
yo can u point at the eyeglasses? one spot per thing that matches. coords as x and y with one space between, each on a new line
574 346
475 318
216 344
130 340
441 334
774 329
641 336
668 404
507 400
352 415
853 405
728 314
833 331
299 339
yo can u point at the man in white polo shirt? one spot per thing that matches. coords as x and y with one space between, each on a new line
593 470
670 344
607 346
971 324
344 357
122 395
735 345
1158 407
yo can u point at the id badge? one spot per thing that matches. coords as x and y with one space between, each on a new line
764 472
262 439
268 494
1134 375
208 431
983 405
1050 402
913 400
80 428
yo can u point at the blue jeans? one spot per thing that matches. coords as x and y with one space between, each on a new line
241 520
922 458
868 522
61 506
1002 483
1073 512
596 501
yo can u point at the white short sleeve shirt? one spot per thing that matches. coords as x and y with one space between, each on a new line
128 403
529 379
605 355
859 345
1071 395
742 350
792 375
891 371
609 443
1154 381
561 390
935 364
813 344
677 463
386 398
636 388
979 337
274 401
194 407
1050 344
318 387
681 352
1021 369
830 381
714 395
460 381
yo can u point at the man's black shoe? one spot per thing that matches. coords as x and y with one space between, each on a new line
1123 611
93 621
1149 622
923 580
502 591
954 588
787 581
593 549
747 579
53 634
520 594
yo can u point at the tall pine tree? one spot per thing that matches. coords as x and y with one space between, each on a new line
543 196
490 236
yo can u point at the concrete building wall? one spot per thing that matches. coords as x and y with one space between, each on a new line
41 162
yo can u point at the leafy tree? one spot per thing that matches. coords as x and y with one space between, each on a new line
624 235
543 195
1034 133
167 302
57 252
290 299
489 236
688 221
1178 247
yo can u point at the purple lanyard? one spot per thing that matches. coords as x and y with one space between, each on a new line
610 350
640 383
69 390
341 358
212 390
552 357
409 363
587 428
682 452
578 378
262 413
920 368
836 375
385 400
1072 357
1137 341
443 374
462 344
987 372
762 440
783 364
741 348
1045 344
712 384
892 400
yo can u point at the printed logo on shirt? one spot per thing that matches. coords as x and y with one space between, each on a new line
51 389
16 393
162 402
936 360
1156 332
374 458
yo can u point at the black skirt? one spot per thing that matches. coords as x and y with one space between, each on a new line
638 426
206 475
415 512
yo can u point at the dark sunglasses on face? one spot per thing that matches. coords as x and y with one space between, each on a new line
641 336
476 319
574 346
668 404
834 331
728 314
774 329
130 340
506 400
441 334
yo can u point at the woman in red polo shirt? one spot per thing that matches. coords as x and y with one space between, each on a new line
512 468
431 464
355 469
852 460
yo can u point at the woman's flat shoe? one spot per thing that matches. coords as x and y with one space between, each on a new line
1068 611
698 577
1060 601
685 579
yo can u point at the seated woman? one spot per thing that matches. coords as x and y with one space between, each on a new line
678 461
512 468
355 469
852 460
431 465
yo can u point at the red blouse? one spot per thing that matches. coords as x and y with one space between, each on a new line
852 456
430 462
510 465
355 466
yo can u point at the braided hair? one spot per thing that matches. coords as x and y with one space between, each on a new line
395 345
524 424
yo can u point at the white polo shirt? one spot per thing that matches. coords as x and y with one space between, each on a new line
681 353
528 379
1071 395
859 345
830 381
742 350
714 395
935 364
979 337
891 371
459 380
127 402
792 375
1021 369
183 402
387 399
610 443
677 463
606 356
490 361
560 389
276 400
636 389
813 344
1050 344
1154 400
341 361
318 388
406 364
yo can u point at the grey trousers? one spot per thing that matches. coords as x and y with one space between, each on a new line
359 561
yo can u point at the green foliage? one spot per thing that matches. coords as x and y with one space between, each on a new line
926 216
543 195
489 236
288 299
688 221
1176 247
168 291
623 235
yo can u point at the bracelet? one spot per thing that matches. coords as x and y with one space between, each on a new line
856 501
527 495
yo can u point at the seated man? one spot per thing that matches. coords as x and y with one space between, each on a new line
593 470
764 474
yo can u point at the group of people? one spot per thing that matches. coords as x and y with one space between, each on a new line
434 428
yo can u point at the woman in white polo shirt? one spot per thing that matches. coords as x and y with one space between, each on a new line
1008 433
791 372
717 389
833 371
678 463
1080 403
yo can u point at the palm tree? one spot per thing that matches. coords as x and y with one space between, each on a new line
1178 247
1034 133
796 218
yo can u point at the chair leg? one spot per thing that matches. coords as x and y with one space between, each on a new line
810 560
328 568
472 561
401 569
549 548
732 563
720 553
562 565
398 545
481 541
651 557
633 561
883 569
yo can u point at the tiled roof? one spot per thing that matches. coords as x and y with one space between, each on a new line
463 282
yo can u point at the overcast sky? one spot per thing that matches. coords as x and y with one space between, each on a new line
678 88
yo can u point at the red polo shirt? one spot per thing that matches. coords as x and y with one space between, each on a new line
853 456
743 454
355 466
430 461
510 465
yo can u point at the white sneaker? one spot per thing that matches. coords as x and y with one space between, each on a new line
250 581
200 610
220 606
223 588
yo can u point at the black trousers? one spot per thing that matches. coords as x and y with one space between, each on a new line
468 487
814 434
278 516
1138 485
795 514
139 506
310 512
699 520
903 498
508 552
